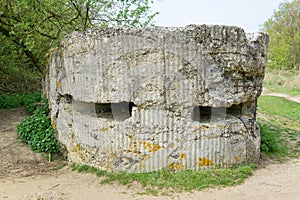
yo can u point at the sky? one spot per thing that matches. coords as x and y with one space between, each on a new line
248 14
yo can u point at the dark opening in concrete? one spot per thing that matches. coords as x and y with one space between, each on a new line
206 113
114 111
68 98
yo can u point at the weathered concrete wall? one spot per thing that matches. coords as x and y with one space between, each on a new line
145 99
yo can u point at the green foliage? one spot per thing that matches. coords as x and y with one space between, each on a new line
29 28
36 130
284 31
271 141
181 180
29 101
16 100
10 101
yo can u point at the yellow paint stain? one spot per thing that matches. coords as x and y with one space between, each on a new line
204 127
182 156
147 157
151 147
156 147
58 84
205 162
175 166
53 123
76 148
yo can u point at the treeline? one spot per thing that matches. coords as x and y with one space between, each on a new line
29 28
284 32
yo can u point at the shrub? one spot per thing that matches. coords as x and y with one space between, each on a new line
36 130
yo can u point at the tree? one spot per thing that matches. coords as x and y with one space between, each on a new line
29 28
284 33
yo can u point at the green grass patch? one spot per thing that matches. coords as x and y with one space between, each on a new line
272 143
282 81
185 180
281 89
280 106
280 126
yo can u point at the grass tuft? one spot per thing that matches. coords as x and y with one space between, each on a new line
185 180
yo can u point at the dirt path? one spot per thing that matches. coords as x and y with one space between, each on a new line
277 94
17 160
26 175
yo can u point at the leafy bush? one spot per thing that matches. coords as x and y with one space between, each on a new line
36 130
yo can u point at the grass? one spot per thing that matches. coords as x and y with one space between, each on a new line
280 127
280 106
272 143
282 81
280 118
281 89
185 180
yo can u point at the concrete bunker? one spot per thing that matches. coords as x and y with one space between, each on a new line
143 99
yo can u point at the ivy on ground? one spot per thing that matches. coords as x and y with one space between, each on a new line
36 130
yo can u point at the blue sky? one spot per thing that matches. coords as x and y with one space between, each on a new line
248 14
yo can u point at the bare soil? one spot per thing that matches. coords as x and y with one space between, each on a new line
27 175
